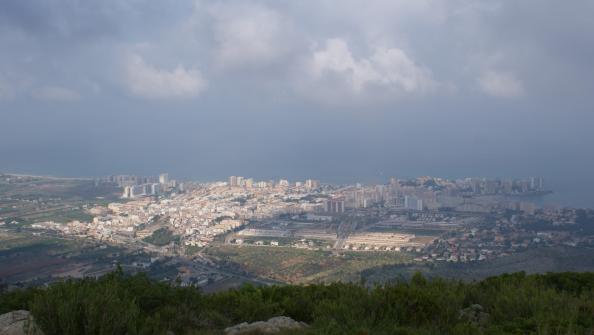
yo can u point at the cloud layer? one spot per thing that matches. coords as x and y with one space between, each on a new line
386 67
501 84
248 34
150 82
318 51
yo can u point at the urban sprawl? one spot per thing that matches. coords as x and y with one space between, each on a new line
436 219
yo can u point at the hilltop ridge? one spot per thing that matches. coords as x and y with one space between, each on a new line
554 303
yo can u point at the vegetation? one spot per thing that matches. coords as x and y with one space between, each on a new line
161 237
535 260
559 303
301 266
584 224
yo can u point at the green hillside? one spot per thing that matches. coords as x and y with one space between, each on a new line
559 303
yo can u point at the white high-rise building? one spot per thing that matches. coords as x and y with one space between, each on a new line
334 206
536 183
155 189
137 190
312 184
126 194
413 203
163 178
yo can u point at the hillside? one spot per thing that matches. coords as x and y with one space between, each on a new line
560 303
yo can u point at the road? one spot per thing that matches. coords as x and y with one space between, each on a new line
342 233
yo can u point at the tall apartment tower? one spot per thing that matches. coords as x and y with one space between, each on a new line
536 183
312 184
413 203
163 178
126 194
334 206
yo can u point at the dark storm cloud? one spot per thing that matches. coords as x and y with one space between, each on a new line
57 19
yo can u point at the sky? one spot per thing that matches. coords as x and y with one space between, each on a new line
336 90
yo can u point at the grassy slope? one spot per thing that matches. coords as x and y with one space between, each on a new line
293 265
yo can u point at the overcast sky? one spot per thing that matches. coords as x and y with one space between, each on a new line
338 90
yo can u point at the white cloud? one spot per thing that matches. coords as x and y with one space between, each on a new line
387 70
148 81
501 84
249 34
55 93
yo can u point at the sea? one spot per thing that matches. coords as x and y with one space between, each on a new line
568 192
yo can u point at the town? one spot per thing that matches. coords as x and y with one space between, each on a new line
437 219
200 232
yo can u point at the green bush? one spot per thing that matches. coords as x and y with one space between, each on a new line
559 303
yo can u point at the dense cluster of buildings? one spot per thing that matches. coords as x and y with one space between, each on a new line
205 211
238 181
197 215
138 186
430 193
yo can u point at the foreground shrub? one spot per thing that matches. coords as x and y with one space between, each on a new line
560 303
